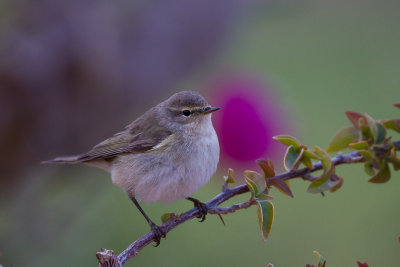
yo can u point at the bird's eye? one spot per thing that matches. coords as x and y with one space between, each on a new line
186 112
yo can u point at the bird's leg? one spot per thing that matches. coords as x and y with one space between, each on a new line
157 231
202 207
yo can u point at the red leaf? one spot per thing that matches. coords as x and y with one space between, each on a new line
282 186
397 105
354 118
360 264
267 167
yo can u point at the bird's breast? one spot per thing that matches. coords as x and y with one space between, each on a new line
173 172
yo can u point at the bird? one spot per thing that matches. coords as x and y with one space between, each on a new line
164 155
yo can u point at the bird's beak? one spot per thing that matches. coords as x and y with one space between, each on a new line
207 110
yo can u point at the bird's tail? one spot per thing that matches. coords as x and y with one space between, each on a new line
67 159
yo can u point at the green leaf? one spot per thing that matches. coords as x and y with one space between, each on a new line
338 186
321 260
343 138
368 168
289 141
367 155
377 130
229 178
257 181
307 162
322 184
306 158
265 211
252 186
354 118
381 133
366 132
292 158
167 217
281 186
381 176
267 167
393 124
311 155
359 145
325 158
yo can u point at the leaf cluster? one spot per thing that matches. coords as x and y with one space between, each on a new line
366 136
369 138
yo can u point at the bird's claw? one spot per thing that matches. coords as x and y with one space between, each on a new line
158 233
203 210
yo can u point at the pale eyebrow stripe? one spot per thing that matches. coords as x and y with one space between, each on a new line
192 107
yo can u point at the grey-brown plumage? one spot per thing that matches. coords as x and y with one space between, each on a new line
136 157
141 135
166 154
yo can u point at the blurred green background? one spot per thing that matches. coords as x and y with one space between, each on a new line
325 58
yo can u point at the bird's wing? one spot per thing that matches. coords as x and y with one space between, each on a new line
135 139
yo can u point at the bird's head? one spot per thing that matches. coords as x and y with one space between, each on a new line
187 110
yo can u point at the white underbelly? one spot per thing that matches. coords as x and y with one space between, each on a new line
167 175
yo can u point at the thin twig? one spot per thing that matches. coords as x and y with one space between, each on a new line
213 208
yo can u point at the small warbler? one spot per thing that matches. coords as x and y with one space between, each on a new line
165 155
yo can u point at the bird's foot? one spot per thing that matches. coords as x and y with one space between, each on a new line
158 233
202 207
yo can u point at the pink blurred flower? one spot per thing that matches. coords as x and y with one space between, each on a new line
250 115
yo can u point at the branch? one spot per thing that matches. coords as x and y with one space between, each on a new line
107 257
